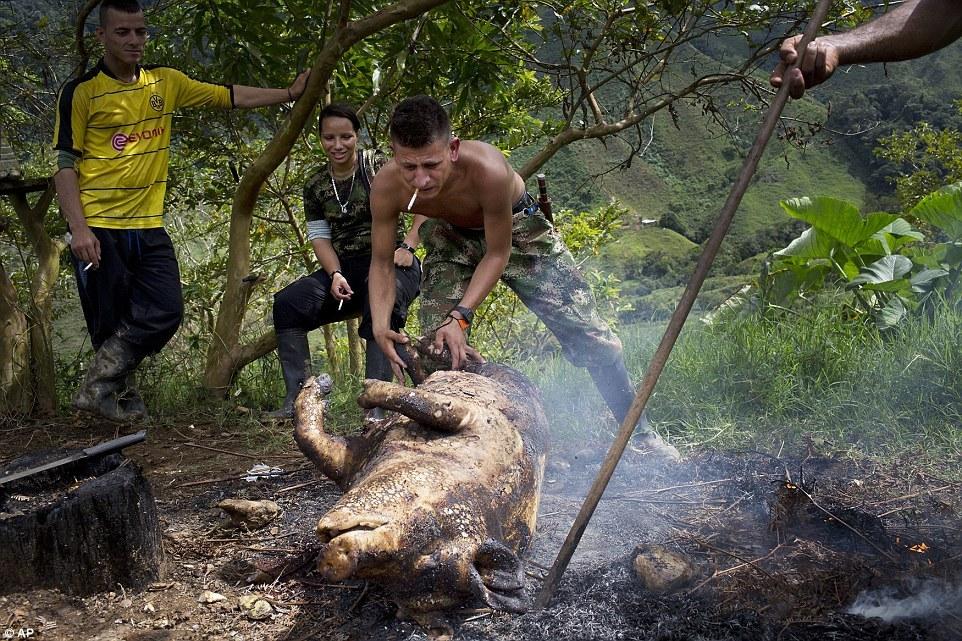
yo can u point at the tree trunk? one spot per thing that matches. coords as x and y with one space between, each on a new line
222 366
355 349
40 315
104 532
15 396
330 347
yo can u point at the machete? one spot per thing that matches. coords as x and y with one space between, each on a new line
107 447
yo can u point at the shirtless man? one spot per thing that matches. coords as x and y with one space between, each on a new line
479 224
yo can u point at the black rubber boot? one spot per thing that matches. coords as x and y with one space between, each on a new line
615 387
99 394
294 353
376 366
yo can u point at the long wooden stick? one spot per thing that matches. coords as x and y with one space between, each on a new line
676 323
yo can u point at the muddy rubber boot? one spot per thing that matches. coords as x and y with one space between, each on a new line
376 366
129 399
615 387
294 353
99 394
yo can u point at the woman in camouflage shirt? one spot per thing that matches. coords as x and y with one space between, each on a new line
338 213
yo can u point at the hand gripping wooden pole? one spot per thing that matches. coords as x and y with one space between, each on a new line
676 323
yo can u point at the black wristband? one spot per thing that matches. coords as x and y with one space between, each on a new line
466 314
336 271
404 245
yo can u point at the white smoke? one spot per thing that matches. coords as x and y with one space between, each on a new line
931 598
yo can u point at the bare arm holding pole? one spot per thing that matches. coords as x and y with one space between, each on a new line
911 30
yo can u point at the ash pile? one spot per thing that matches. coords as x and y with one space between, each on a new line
769 548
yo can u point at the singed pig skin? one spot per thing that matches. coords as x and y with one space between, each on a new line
442 497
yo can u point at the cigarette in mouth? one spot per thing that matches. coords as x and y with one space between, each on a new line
413 197
89 265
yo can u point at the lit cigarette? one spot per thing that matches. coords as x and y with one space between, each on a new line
340 304
413 197
89 265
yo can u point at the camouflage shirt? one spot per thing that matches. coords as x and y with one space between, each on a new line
350 229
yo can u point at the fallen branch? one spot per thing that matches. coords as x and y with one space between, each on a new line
296 487
633 499
915 494
209 481
745 561
686 485
357 601
484 612
318 584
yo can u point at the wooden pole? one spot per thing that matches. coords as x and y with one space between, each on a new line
676 323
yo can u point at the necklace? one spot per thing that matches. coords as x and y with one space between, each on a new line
347 200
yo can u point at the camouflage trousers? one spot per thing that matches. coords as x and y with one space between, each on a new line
540 270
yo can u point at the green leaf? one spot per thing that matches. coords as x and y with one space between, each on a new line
901 227
890 315
810 244
943 208
838 218
925 281
885 274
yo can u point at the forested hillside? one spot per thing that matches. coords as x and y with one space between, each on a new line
826 146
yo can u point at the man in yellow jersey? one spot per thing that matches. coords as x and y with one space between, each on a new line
112 137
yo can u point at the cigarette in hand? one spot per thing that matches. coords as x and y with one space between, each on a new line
89 265
413 197
340 304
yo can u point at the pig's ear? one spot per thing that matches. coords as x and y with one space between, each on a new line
497 577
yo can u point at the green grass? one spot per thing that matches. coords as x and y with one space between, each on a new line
811 380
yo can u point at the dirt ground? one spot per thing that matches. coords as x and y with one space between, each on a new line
782 547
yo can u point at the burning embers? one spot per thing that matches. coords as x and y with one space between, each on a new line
794 549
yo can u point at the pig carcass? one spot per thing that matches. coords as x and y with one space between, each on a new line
440 498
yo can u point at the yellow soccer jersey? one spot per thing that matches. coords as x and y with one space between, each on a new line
121 134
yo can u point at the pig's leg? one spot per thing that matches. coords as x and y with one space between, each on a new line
430 409
329 453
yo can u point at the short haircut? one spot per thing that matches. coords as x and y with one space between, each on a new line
419 121
339 110
125 6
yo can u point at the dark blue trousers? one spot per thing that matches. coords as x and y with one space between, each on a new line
136 292
307 304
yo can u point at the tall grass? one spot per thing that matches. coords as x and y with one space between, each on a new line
813 379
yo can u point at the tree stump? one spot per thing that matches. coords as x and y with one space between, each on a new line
82 528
